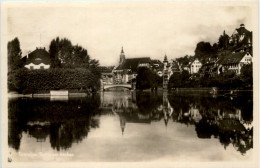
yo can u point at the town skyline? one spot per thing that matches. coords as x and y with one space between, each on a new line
103 29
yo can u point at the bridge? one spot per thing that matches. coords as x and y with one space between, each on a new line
108 86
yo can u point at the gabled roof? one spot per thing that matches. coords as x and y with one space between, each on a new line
233 58
38 56
132 63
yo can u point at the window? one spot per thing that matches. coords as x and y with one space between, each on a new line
41 67
31 67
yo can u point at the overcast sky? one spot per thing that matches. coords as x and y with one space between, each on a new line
143 29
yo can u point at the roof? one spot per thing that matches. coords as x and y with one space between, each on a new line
242 30
157 64
105 69
193 60
132 63
38 56
233 58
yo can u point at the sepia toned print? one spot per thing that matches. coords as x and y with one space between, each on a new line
107 83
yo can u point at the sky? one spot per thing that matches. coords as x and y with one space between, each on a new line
144 29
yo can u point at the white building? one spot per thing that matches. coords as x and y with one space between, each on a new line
234 62
195 66
38 59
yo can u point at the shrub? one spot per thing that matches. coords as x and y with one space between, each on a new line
32 81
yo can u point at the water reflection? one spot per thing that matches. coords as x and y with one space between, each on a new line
64 123
228 120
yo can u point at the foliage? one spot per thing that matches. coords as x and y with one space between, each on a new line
184 61
64 54
179 80
27 81
14 55
204 51
247 75
223 41
147 78
227 80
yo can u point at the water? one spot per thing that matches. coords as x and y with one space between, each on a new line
129 126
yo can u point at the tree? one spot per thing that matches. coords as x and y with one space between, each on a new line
61 53
184 60
175 80
14 55
146 79
64 54
247 75
179 79
223 41
204 51
53 50
80 57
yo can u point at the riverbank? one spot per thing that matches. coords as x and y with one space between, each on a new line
159 90
17 95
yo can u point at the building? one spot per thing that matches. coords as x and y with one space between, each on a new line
38 59
209 69
175 67
157 66
166 72
127 69
106 74
241 36
234 62
195 66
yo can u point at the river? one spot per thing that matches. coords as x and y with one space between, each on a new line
131 127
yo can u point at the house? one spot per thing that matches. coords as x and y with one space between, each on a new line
157 66
234 62
38 59
126 71
210 68
194 66
106 74
175 67
241 36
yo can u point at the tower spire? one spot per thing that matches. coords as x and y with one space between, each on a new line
122 56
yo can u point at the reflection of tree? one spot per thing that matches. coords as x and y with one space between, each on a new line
148 102
220 118
65 122
62 135
14 134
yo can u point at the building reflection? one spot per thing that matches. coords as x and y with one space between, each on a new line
68 122
229 121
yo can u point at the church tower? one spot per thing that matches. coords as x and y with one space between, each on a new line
122 56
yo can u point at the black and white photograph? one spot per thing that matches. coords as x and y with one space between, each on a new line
130 84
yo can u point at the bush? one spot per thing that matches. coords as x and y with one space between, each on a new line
33 81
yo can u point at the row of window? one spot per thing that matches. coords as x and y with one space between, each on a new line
32 67
232 66
197 66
